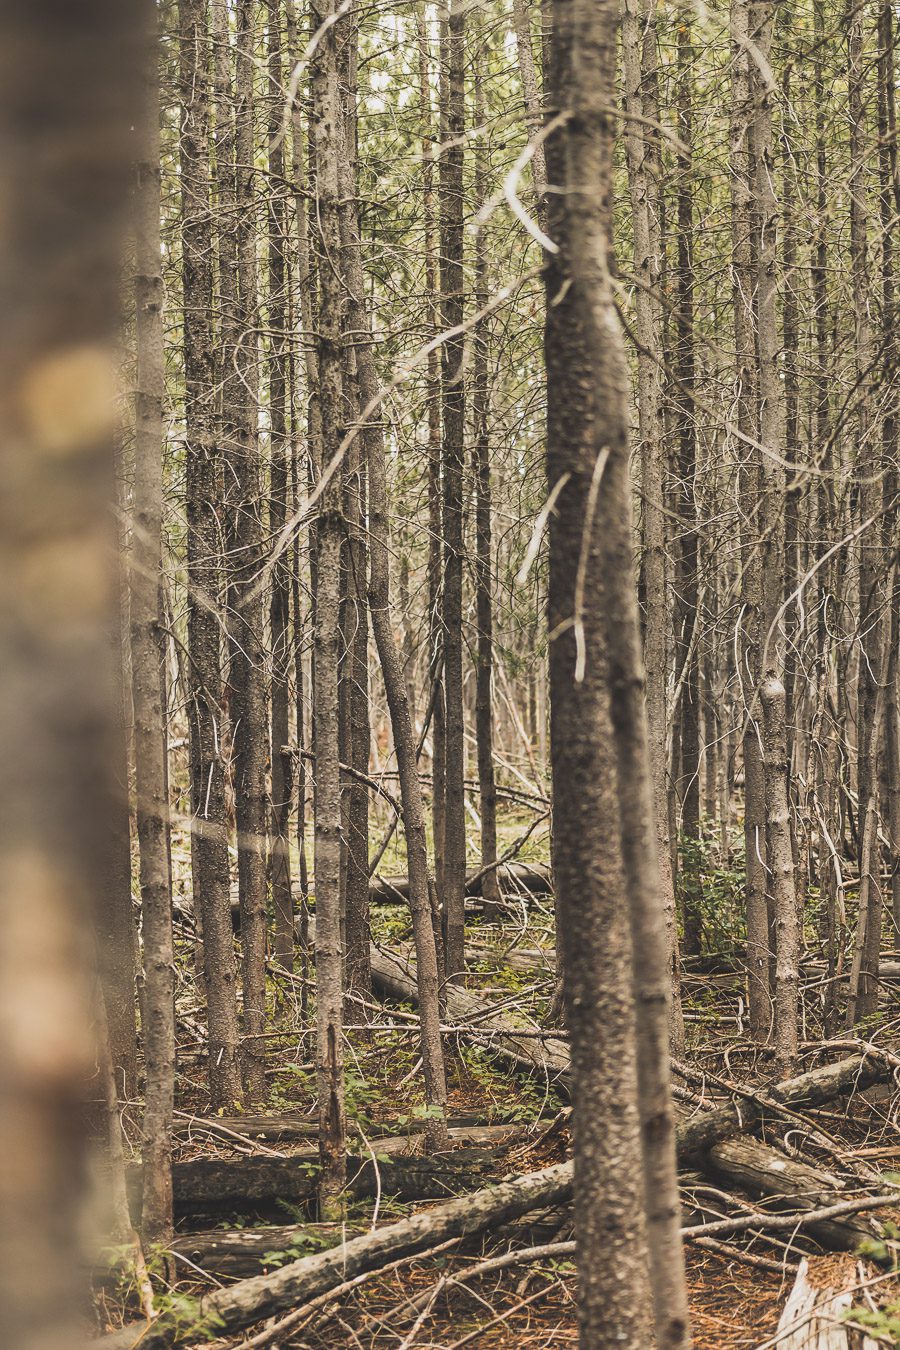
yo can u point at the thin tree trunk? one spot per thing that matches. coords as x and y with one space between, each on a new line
453 409
114 918
206 719
639 61
250 734
484 565
433 400
279 602
687 661
328 149
356 646
148 680
772 494
744 290
533 112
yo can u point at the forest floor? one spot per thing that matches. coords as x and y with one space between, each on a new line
733 1304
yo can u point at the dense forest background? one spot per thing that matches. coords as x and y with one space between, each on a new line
458 842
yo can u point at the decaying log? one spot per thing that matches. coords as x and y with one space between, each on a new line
813 1317
292 1127
546 1056
249 1301
260 1184
793 1186
276 1129
514 878
852 1074
235 1253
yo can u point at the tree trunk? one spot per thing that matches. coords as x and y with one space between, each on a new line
639 61
687 660
785 916
587 440
250 734
69 76
279 603
148 677
744 289
206 719
484 564
356 625
328 149
453 409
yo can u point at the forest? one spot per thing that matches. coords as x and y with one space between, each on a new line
449 674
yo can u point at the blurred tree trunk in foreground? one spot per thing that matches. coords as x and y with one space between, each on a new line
64 159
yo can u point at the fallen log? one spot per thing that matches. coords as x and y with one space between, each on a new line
791 1185
547 1056
262 1184
235 1253
514 878
231 1309
251 1300
292 1128
747 1162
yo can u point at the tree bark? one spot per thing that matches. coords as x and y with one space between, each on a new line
279 602
328 149
206 716
687 659
639 62
484 563
148 676
250 734
744 289
453 411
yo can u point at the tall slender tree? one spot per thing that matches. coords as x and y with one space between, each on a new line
148 678
206 717
453 408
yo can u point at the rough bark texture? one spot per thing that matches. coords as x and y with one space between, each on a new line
784 906
591 909
781 863
484 567
743 288
607 530
685 469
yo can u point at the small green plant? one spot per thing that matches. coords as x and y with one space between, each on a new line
882 1323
